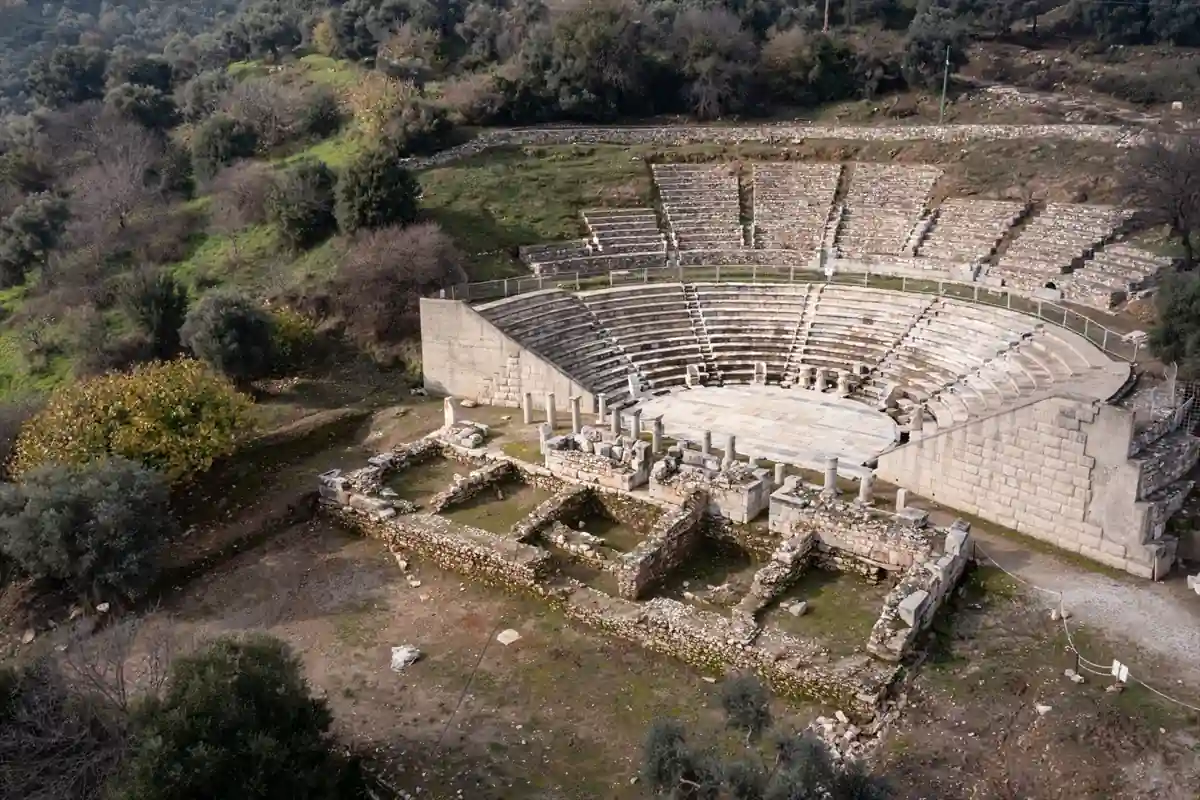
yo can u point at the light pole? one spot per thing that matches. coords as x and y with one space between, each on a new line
945 83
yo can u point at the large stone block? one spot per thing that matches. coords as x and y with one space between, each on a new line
910 607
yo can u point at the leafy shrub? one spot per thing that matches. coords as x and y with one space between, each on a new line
747 705
157 305
237 720
319 114
95 527
175 417
295 339
232 334
221 140
418 126
201 96
301 204
384 273
13 416
376 191
239 195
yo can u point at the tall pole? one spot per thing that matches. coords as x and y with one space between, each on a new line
945 83
825 28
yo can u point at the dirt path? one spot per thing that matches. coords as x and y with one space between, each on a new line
1145 622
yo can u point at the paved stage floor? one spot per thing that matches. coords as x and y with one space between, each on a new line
790 425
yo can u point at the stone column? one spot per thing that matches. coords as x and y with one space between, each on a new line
806 377
866 488
706 443
901 500
449 412
780 474
615 424
819 379
830 489
635 426
544 434
657 436
551 411
843 383
752 462
730 452
602 414
527 408
576 416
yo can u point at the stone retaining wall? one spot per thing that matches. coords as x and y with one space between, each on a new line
776 134
671 541
910 608
789 561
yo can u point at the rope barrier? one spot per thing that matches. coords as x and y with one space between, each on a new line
1084 664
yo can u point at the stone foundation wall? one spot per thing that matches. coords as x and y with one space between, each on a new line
711 641
671 541
470 551
844 529
475 482
789 561
911 607
561 506
618 464
737 492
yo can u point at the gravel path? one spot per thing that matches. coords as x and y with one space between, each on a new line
1160 621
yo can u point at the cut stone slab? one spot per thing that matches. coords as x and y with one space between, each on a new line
911 606
507 637
404 656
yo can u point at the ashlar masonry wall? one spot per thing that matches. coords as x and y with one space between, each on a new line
466 356
1057 470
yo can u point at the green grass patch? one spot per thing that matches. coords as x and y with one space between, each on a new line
493 203
336 151
528 452
240 259
335 73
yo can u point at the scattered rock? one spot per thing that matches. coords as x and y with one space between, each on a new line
418 392
75 612
468 403
1041 709
1115 688
798 609
404 656
506 418
1074 676
707 679
28 636
102 608
423 598
507 637
414 583
841 717
401 562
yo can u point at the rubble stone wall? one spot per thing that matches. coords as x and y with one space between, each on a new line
668 544
911 607
562 505
470 551
711 641
847 531
475 482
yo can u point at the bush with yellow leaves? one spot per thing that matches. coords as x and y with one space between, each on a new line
176 417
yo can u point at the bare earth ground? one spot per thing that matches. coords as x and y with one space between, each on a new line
561 713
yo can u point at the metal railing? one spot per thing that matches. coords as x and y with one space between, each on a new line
1108 340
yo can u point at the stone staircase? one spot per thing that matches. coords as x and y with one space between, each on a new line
709 368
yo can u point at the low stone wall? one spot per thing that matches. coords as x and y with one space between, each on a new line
923 589
712 641
475 482
789 561
665 548
336 486
561 506
466 550
880 539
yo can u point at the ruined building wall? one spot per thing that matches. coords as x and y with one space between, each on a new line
1057 470
464 355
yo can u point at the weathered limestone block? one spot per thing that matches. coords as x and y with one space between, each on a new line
787 564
